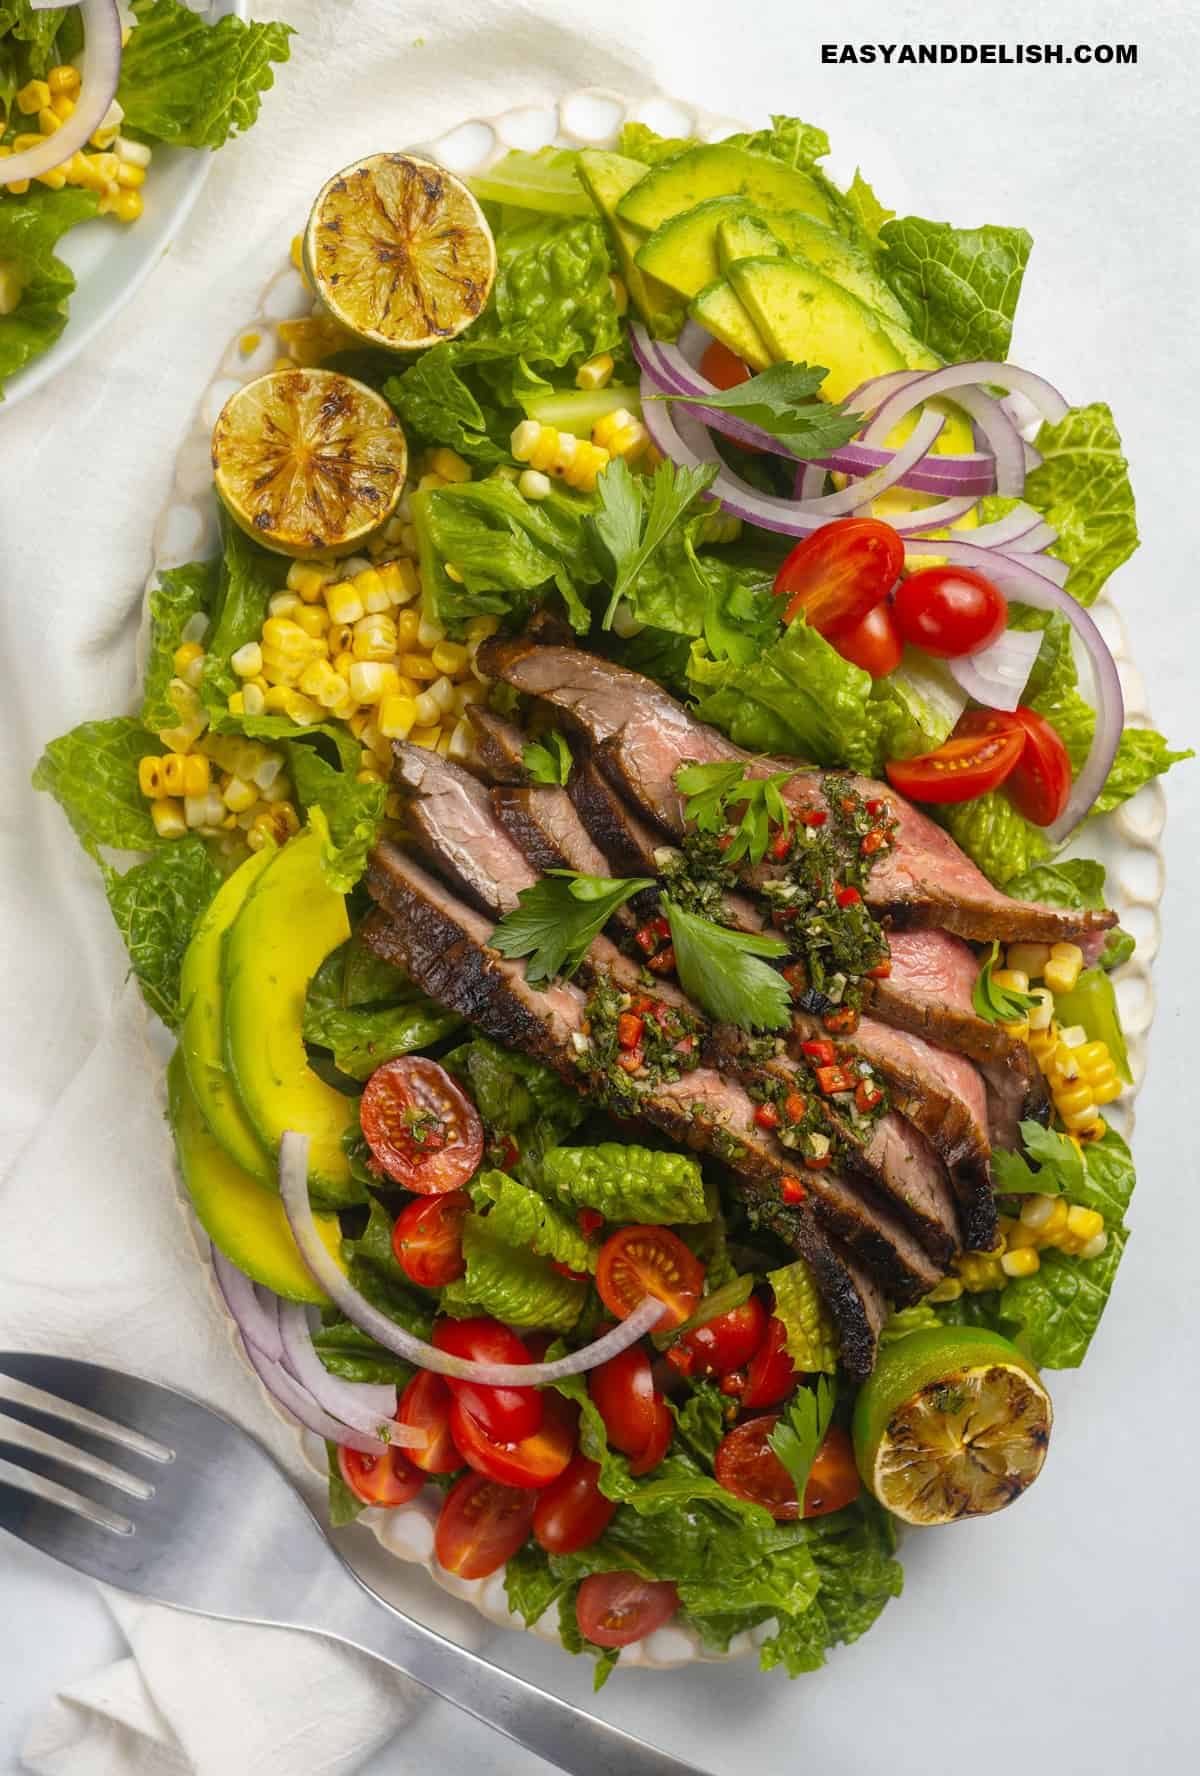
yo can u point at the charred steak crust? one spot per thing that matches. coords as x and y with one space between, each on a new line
623 836
499 746
542 822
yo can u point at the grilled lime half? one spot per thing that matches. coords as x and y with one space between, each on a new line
399 251
308 461
953 1423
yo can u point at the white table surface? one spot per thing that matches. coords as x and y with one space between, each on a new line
1062 1637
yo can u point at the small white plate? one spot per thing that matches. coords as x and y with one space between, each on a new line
111 259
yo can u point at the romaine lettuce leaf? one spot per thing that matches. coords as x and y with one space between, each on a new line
36 33
348 1351
857 1576
181 594
434 402
624 1182
192 83
960 285
248 578
30 228
519 1100
1082 488
1141 755
156 905
811 1342
92 775
511 1283
522 1218
638 141
789 139
995 836
352 812
363 1038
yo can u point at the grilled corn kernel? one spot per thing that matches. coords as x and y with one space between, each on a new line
442 692
428 710
64 81
196 774
1041 1014
452 573
247 661
1012 979
367 776
303 710
449 657
401 580
167 815
596 373
238 795
49 121
313 619
431 484
282 604
374 638
1062 970
316 677
367 681
33 97
1022 1235
449 465
150 777
481 628
1072 1100
534 485
343 602
397 717
429 632
1017 1028
373 592
461 741
426 737
288 639
1036 1212
1084 1224
1105 1092
276 699
133 153
949 1289
1087 1123
309 579
172 774
524 438
418 666
1028 958
130 178
1021 1263
1092 1248
407 625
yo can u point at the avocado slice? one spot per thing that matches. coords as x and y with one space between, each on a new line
290 921
242 1218
745 236
682 253
201 1033
807 318
719 308
827 251
719 170
606 178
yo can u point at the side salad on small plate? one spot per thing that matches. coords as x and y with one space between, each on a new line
625 810
109 114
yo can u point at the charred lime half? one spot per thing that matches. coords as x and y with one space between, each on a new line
952 1423
308 461
399 252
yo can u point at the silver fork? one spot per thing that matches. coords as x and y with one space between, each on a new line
171 1501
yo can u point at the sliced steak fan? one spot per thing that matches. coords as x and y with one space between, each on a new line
442 944
542 822
630 845
451 820
499 746
641 735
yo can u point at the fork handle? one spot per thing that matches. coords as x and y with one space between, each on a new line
555 1730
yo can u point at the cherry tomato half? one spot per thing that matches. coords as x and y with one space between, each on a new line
873 644
427 1239
980 754
771 1376
840 573
729 1341
572 1512
639 1261
532 1461
723 367
420 1126
386 1479
505 1413
623 1392
425 1405
747 1466
949 611
615 1609
1040 786
481 1525
659 1441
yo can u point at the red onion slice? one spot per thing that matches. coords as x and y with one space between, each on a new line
997 675
101 72
293 1191
363 1405
256 1318
962 384
292 1397
1006 532
1020 580
937 474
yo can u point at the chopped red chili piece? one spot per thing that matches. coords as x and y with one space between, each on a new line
791 1189
813 817
866 1096
589 1221
725 841
881 971
733 1384
682 1359
847 804
642 1004
664 962
841 1022
823 1053
834 1079
767 1116
659 926
564 1270
847 897
629 1029
817 1162
874 841
631 1060
685 1045
782 847
796 976
876 805
645 940
794 1106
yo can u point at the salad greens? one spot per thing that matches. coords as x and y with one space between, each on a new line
624 1182
633 520
192 83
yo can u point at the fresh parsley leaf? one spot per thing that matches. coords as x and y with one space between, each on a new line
801 1430
780 401
558 917
713 791
548 760
721 970
637 514
1061 1169
999 1005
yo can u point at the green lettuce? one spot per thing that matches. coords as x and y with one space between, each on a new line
789 139
522 1103
353 1354
34 37
352 812
372 1268
995 836
361 1038
155 905
521 1217
1141 755
92 775
1082 488
960 285
509 1281
30 228
623 1182
435 402
857 1576
1076 882
181 594
504 548
192 83
638 141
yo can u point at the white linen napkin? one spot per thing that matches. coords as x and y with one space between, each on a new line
95 1257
